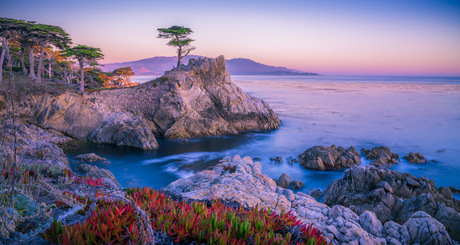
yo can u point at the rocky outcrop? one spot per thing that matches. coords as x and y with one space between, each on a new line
122 129
326 158
202 101
415 158
34 146
392 196
240 180
90 157
381 156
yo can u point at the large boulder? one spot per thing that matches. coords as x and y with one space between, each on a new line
329 157
284 181
124 129
422 229
381 156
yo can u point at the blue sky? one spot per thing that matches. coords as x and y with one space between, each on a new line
391 37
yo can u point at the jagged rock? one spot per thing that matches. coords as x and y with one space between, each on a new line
84 168
283 181
389 194
454 189
90 157
326 158
124 129
415 158
202 101
315 193
381 156
422 229
451 220
370 223
297 184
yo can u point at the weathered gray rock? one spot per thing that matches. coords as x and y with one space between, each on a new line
315 193
297 184
84 168
218 183
451 220
415 158
124 129
390 195
422 229
370 223
381 156
90 157
201 101
34 146
329 157
283 181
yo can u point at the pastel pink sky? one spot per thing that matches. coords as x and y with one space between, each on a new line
412 37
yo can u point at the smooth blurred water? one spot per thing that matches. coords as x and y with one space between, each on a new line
405 116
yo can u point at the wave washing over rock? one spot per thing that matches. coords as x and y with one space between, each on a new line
201 101
240 180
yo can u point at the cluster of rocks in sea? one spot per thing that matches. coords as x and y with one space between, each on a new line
369 205
201 101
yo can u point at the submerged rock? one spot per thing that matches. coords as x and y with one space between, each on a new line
297 184
199 102
415 158
326 158
381 156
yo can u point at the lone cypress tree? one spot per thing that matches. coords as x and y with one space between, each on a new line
179 38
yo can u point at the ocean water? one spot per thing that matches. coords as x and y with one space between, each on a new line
407 114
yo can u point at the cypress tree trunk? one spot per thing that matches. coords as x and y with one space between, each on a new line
31 63
24 69
82 77
179 57
40 65
2 57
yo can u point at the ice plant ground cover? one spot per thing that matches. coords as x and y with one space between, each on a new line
116 222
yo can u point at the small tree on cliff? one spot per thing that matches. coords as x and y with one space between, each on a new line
85 55
179 38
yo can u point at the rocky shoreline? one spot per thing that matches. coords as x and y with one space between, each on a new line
370 204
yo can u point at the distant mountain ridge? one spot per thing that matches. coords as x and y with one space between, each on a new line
239 66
